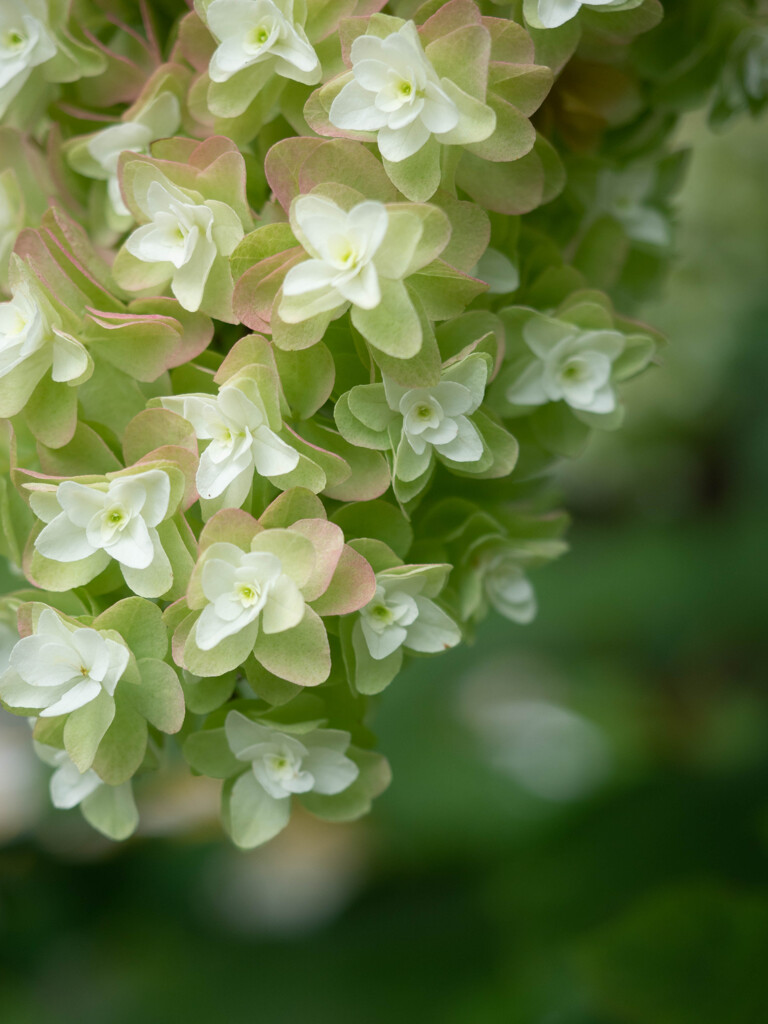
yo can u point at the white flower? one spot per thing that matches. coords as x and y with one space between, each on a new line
626 196
508 588
119 520
159 119
184 235
284 764
399 616
397 93
343 246
281 765
241 442
26 328
25 40
61 668
437 419
110 809
553 13
251 32
244 587
572 365
68 787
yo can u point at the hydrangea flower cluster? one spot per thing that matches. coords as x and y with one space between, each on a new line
301 302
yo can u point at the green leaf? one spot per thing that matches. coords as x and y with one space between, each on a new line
299 655
112 811
209 753
87 453
156 428
139 623
418 176
51 412
224 657
202 696
85 728
352 428
372 675
250 815
377 553
558 430
379 520
443 291
355 801
270 687
158 696
392 327
292 505
307 378
352 585
122 749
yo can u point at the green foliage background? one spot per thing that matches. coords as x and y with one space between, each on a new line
467 898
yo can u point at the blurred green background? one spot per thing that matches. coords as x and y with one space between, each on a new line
577 831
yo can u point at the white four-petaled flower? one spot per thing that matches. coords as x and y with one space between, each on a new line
184 236
284 764
25 41
396 92
281 765
571 365
110 809
400 616
243 587
26 328
68 786
241 442
251 32
436 418
158 120
508 588
119 520
342 246
60 668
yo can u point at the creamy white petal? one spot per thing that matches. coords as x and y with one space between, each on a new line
553 13
433 630
243 733
64 541
398 144
77 696
284 607
80 503
45 661
363 289
133 545
70 360
68 787
382 643
213 478
307 277
332 772
353 110
271 455
467 446
211 630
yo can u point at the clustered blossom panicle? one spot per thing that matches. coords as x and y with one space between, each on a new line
284 363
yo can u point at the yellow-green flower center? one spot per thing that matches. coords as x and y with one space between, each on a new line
13 39
248 594
258 36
